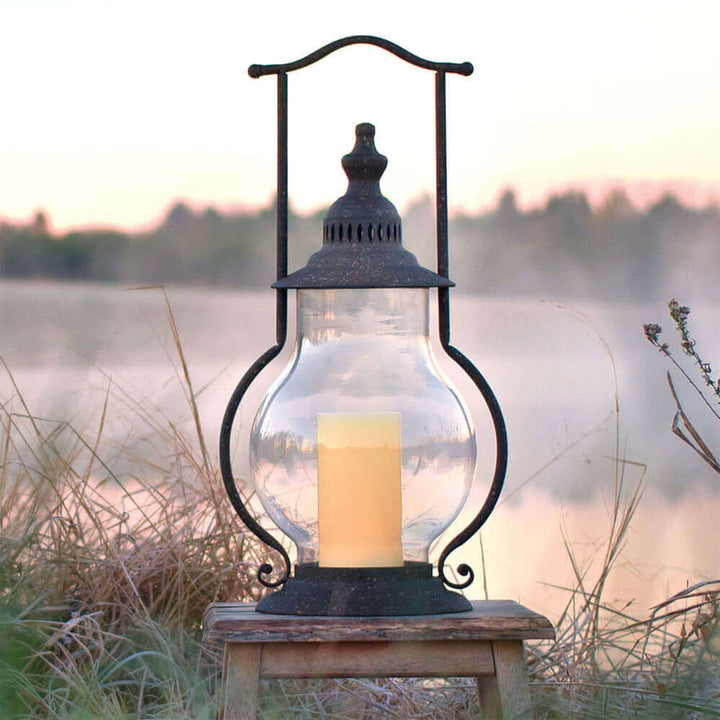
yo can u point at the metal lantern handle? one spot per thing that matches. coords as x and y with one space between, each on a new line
440 70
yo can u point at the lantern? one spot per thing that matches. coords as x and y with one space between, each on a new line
362 452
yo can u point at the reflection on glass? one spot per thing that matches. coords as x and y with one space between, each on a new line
363 352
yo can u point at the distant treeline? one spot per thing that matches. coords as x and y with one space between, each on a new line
565 248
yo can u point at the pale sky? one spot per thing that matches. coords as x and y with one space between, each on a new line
113 109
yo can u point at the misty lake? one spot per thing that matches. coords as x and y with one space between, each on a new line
557 366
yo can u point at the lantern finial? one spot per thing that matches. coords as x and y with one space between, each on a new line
364 162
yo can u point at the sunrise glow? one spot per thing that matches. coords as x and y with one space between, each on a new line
118 109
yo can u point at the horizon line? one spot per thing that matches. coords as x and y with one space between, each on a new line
642 195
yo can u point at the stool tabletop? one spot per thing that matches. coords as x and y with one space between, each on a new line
488 620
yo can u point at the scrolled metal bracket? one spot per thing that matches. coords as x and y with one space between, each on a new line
266 570
501 457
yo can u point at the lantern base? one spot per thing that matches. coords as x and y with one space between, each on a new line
363 592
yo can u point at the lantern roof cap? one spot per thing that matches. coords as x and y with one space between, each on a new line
362 233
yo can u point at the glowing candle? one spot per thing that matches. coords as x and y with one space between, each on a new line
359 490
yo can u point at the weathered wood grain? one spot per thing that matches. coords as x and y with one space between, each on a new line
489 619
241 676
485 643
506 695
435 658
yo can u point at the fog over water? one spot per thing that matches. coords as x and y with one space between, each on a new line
553 364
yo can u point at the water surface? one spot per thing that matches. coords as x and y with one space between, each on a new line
557 367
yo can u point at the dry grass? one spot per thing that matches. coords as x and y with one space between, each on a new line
104 580
607 663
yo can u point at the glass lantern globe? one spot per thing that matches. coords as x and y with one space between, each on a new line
362 452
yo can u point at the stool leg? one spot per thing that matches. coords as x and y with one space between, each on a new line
241 677
505 695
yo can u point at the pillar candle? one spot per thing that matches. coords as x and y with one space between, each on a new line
359 490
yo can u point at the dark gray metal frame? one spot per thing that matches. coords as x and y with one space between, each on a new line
441 69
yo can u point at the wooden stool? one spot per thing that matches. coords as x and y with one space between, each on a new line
485 643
